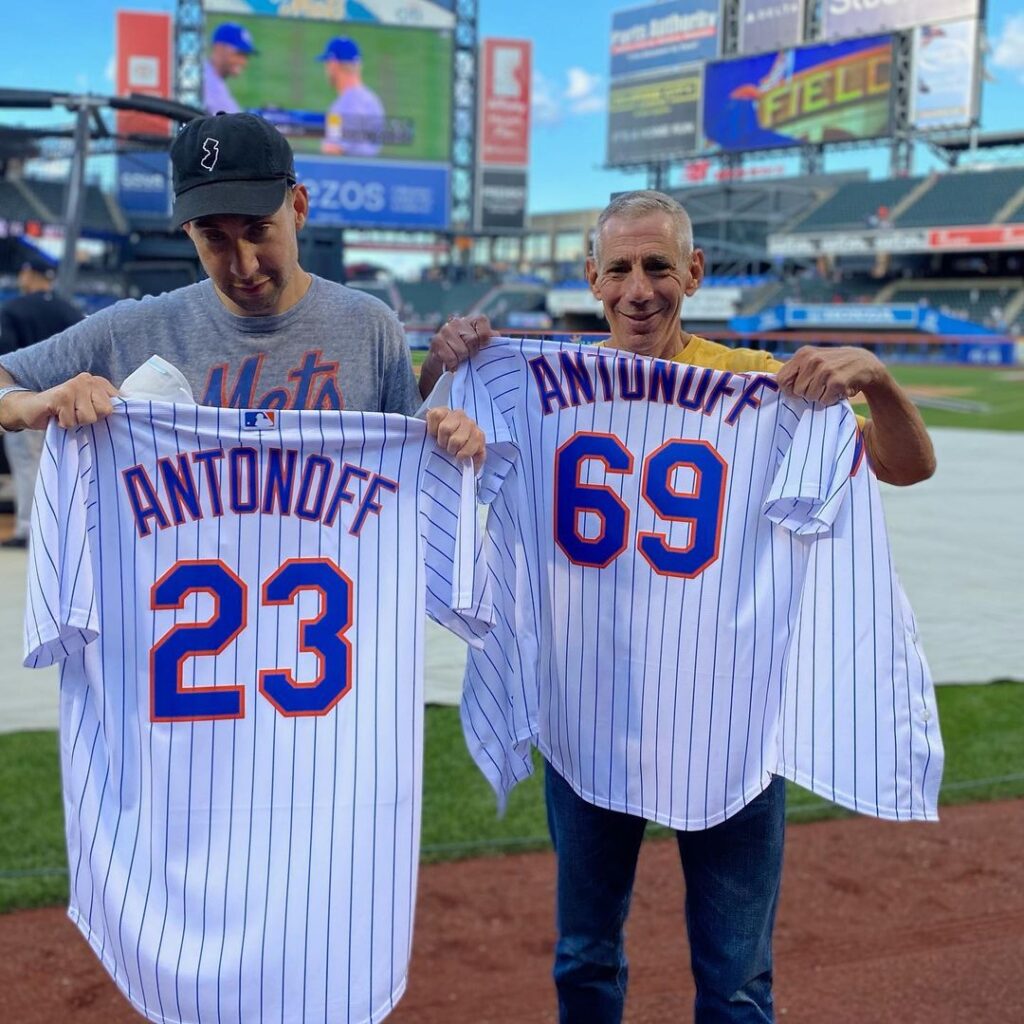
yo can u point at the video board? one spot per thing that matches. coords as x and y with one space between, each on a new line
945 80
819 94
366 105
843 18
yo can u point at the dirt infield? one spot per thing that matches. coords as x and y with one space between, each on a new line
879 923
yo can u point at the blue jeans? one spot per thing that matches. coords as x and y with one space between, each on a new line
732 872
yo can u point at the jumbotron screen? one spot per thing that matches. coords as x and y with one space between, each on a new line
348 89
838 92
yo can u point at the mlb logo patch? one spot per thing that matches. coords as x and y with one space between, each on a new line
259 419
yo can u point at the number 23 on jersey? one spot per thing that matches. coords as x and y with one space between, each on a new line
322 636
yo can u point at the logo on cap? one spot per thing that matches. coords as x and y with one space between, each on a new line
211 150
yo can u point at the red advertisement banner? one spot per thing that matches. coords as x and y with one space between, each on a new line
505 103
145 59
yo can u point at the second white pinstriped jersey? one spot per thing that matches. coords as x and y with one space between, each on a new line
696 593
236 602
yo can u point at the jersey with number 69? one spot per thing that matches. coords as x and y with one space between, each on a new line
236 602
694 592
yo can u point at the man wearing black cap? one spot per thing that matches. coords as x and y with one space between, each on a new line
260 333
37 313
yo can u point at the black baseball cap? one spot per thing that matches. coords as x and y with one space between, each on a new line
230 163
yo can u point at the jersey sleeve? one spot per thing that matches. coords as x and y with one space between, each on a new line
458 588
819 446
859 722
61 614
486 388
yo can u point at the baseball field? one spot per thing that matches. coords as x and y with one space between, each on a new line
879 922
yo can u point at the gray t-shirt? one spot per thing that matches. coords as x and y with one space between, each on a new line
336 348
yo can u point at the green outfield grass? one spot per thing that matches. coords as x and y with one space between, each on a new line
983 729
1001 390
409 69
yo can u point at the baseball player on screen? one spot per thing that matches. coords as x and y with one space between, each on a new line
355 120
643 267
231 46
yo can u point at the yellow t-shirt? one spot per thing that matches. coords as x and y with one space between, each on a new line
701 352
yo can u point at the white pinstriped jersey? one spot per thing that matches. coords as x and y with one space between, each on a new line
236 600
694 593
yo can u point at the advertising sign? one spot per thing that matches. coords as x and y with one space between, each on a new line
145 61
144 184
842 18
375 193
654 118
505 102
665 35
865 316
945 75
501 199
770 25
816 94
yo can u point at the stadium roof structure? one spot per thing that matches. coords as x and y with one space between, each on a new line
951 147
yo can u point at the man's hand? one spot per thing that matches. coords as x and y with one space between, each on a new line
83 399
828 375
458 340
457 434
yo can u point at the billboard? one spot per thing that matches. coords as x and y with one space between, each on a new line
664 35
501 199
144 64
505 102
503 136
842 18
944 76
376 193
770 25
654 117
813 95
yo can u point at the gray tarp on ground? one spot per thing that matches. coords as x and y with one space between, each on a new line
958 541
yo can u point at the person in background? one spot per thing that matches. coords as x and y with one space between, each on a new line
36 314
231 47
355 120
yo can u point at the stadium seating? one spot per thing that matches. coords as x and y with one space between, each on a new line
854 203
956 199
431 302
13 205
98 216
983 303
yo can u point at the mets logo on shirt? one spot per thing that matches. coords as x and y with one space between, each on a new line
259 419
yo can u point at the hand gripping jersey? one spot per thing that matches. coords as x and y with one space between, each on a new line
694 593
236 599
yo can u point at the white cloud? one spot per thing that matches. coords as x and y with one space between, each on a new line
546 108
581 94
1008 47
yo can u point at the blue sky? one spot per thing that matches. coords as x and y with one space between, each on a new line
68 44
